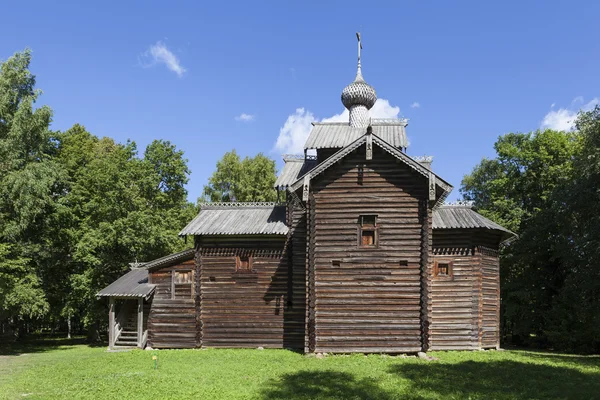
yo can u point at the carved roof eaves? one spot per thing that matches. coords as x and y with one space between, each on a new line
239 204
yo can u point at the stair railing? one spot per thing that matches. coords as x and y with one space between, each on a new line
120 321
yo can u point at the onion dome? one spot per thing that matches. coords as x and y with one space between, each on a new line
359 92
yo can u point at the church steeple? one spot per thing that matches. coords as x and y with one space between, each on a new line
359 97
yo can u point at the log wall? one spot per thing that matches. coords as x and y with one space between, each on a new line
466 305
172 321
370 301
248 309
490 298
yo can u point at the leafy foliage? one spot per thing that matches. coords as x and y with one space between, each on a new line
250 179
544 186
75 209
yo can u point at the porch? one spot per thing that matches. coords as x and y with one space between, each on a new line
129 300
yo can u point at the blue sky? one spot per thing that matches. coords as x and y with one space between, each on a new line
213 76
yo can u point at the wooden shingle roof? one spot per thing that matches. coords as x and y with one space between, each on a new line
339 134
462 216
132 284
238 219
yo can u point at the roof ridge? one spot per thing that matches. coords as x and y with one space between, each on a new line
239 204
167 258
459 203
297 157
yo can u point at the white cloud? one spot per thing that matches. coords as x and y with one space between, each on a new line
245 117
296 128
160 54
416 104
294 132
563 119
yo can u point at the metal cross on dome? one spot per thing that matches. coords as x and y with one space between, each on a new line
359 45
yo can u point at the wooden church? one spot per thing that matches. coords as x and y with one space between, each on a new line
363 256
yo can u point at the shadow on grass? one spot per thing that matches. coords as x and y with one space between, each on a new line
499 380
40 344
573 360
433 380
324 385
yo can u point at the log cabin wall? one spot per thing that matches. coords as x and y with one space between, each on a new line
295 324
465 302
490 298
368 299
247 308
172 319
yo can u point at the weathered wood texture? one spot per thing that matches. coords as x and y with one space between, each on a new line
490 298
465 305
247 309
172 321
371 302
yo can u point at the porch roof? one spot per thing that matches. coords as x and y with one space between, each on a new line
132 284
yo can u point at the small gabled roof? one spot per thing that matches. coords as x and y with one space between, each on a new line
327 135
295 167
340 154
171 259
135 282
132 284
238 219
462 216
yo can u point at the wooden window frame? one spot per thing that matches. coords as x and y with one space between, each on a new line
174 273
362 227
238 264
436 269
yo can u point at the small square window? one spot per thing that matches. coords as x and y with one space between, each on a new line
442 268
336 263
244 263
368 220
183 277
368 238
368 231
404 263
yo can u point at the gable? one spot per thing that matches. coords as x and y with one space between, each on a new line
370 181
439 189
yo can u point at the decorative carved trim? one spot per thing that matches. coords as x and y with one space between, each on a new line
369 146
420 159
431 186
459 203
236 204
240 251
462 251
306 188
424 216
298 157
487 251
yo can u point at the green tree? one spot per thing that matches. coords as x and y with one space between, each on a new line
516 189
574 320
250 179
30 183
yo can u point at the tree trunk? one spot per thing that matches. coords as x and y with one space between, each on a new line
69 326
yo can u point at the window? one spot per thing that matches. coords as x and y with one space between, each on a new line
336 263
368 235
183 277
182 284
442 268
243 264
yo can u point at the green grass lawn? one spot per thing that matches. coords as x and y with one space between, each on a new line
63 370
